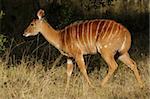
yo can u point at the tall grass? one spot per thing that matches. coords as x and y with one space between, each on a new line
29 80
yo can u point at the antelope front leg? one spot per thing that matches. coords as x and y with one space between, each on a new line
81 64
69 72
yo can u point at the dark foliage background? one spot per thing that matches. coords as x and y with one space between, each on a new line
134 14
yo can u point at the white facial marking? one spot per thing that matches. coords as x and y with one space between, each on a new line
26 34
30 34
35 33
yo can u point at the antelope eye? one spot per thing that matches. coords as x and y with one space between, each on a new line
31 24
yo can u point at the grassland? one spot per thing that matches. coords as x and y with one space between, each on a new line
29 80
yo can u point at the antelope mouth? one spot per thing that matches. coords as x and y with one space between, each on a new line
26 34
29 34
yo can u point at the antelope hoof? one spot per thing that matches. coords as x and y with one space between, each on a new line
142 85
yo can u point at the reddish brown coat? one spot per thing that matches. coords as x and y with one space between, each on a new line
93 35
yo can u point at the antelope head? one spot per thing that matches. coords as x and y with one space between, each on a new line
35 26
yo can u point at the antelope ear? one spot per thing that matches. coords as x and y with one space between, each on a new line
40 13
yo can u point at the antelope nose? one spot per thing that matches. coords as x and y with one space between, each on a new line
25 34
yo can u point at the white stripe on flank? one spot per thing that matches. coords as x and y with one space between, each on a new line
91 37
65 39
110 34
87 37
123 44
115 32
97 28
78 38
120 30
107 29
102 30
72 33
83 37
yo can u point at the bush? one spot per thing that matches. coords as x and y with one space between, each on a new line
2 37
2 41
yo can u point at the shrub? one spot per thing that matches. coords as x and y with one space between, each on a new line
2 37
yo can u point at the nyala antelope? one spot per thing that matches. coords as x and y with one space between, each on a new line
106 37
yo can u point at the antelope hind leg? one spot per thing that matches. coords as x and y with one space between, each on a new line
125 58
112 65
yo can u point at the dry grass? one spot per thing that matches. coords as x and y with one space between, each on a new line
33 82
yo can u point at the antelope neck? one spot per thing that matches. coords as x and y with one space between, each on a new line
51 35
